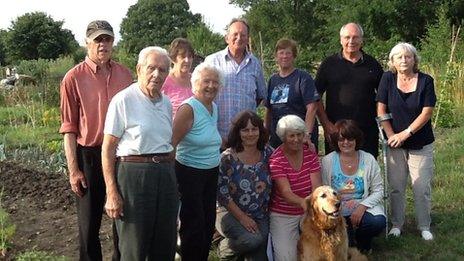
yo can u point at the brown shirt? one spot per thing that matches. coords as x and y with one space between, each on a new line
85 95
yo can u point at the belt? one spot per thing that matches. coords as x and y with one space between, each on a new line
147 158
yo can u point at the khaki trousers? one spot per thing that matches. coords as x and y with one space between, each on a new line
417 164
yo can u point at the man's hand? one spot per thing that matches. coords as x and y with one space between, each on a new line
78 182
113 205
329 129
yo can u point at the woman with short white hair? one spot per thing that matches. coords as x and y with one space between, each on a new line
295 171
197 139
409 96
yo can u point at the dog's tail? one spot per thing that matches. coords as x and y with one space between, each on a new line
355 255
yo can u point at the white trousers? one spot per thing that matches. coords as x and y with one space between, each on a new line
285 233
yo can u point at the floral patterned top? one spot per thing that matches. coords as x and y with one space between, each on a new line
249 186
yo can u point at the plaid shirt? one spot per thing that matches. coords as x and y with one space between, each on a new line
244 84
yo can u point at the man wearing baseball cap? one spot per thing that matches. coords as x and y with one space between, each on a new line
86 91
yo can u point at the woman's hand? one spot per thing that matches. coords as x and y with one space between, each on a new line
397 140
249 224
357 215
113 205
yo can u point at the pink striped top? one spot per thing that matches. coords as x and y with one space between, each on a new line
300 180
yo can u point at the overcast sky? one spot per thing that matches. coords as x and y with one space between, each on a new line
77 14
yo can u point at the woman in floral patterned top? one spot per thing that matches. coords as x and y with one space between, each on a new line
244 189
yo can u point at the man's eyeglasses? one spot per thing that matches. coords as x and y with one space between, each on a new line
103 38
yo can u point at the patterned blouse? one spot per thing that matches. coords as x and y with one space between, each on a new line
249 186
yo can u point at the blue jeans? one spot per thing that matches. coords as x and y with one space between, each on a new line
369 227
239 243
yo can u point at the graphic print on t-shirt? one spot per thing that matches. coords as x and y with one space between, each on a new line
280 94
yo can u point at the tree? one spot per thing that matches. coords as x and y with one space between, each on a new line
2 47
155 22
315 24
36 35
204 41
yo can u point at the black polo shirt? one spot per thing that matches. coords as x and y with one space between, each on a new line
351 91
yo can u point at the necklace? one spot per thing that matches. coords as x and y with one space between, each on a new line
349 163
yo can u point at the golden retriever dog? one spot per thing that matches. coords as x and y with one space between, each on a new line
323 235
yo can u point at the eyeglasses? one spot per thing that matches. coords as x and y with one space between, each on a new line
103 38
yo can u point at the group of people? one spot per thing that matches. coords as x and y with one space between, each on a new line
149 152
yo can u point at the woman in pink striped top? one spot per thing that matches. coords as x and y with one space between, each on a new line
295 171
177 85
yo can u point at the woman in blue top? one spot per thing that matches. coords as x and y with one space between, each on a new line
355 175
244 189
198 141
409 96
290 91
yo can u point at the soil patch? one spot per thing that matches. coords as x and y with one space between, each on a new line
42 206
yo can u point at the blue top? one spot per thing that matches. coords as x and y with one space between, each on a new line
290 95
200 147
249 186
350 187
406 108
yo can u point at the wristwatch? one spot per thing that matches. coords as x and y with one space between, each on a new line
409 130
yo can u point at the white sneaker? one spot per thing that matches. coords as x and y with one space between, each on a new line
426 235
396 232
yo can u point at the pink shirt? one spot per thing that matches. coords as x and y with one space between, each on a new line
300 180
176 93
85 95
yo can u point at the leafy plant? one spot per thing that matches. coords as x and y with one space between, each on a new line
7 229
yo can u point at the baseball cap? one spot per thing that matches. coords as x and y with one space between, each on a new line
97 28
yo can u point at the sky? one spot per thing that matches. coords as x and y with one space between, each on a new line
77 14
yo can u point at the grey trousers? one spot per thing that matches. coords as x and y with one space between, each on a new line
147 231
238 243
418 164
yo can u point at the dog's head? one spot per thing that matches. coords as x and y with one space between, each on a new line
324 204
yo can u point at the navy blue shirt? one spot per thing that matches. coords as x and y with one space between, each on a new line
406 108
290 95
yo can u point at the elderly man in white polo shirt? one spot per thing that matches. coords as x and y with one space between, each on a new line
137 163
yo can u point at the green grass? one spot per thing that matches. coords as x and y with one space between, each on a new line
39 255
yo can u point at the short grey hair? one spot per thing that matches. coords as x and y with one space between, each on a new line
290 123
196 74
361 31
238 20
153 49
403 47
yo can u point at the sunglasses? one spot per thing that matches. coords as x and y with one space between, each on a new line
342 139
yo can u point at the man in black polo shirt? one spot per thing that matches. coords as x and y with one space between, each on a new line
350 79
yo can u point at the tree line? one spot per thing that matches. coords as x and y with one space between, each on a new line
314 24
